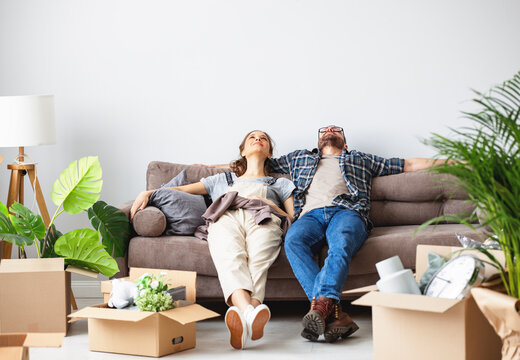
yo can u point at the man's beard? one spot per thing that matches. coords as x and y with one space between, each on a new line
331 140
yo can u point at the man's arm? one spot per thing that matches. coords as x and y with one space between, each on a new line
416 164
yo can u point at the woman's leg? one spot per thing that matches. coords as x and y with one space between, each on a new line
226 240
263 244
242 299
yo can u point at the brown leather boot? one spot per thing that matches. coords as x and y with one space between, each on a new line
339 324
315 320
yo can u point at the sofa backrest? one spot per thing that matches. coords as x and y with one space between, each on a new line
415 197
404 199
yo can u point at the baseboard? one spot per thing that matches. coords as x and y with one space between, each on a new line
86 289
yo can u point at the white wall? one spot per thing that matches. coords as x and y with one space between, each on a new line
182 81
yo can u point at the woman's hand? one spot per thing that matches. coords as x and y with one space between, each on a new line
288 205
267 201
140 203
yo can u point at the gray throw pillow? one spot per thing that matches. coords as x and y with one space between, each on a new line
183 211
178 180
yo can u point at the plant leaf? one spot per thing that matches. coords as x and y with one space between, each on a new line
17 239
113 225
5 224
26 222
78 186
81 248
52 235
3 209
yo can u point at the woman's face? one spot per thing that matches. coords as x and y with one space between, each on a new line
256 142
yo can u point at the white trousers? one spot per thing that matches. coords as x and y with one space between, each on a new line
243 251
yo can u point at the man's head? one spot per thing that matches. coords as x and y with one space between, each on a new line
332 136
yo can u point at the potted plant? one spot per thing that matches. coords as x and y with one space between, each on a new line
485 159
76 190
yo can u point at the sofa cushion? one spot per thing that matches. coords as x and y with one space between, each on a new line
387 241
413 198
171 252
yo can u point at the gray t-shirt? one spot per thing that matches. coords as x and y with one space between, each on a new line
278 192
326 184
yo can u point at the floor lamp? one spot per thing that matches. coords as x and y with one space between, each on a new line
26 121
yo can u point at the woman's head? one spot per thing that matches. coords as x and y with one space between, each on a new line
255 143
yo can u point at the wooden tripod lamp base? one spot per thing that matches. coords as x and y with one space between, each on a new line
16 193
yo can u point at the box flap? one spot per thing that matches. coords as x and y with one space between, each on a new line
189 314
174 277
32 265
44 339
81 271
407 302
12 339
103 312
361 290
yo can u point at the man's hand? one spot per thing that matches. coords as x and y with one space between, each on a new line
140 203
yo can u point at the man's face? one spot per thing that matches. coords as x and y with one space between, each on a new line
331 135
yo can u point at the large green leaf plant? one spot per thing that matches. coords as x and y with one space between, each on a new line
485 159
76 190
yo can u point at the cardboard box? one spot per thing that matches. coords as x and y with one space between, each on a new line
142 332
422 327
35 295
16 346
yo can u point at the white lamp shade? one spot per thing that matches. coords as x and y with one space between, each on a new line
27 120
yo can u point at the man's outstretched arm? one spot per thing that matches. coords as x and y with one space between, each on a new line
416 164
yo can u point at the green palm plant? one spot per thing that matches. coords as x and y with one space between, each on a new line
76 190
485 159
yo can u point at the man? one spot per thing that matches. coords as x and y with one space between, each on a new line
331 203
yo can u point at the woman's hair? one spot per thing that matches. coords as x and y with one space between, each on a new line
239 166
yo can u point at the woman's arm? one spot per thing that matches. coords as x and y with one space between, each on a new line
289 207
288 204
141 201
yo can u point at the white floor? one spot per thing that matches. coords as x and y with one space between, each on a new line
282 339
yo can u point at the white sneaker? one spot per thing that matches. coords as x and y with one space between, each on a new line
256 319
237 328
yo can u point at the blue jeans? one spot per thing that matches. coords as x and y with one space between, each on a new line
343 230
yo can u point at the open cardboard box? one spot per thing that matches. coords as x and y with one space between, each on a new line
16 346
35 295
414 327
142 332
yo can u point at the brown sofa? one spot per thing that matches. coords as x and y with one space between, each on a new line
399 204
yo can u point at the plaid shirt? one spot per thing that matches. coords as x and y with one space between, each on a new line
357 169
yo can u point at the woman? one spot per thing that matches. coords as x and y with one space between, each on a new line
241 249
